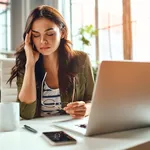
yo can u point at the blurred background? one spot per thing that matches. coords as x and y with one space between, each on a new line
105 29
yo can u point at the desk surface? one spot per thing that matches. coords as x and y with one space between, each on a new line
22 139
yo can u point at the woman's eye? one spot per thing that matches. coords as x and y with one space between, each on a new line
50 34
35 36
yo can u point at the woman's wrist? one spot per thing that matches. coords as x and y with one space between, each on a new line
29 65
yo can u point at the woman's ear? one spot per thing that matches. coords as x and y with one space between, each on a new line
62 33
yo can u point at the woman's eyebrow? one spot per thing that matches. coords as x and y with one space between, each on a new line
49 29
44 31
34 31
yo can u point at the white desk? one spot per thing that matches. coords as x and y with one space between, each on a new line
25 140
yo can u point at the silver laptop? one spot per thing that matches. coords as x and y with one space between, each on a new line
121 99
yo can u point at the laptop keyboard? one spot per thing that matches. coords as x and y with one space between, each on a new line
82 125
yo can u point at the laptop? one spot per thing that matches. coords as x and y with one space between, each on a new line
120 100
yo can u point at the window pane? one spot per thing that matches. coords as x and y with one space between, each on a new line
110 12
110 33
111 44
83 13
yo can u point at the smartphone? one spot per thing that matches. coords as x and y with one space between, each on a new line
143 146
58 138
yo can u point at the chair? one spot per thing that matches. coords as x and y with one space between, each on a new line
8 94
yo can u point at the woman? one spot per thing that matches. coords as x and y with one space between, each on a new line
51 77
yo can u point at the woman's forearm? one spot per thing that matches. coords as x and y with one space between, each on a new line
28 90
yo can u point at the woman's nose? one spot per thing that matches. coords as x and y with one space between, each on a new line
43 40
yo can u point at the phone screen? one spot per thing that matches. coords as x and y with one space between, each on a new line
59 136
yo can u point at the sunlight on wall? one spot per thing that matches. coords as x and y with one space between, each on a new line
141 29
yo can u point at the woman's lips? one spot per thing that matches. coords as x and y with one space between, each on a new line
44 48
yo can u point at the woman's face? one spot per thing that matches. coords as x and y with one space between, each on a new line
46 36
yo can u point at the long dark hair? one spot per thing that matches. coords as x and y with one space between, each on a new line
65 51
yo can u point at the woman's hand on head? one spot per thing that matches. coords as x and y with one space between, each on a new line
31 55
76 109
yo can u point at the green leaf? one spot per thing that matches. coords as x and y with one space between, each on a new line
86 33
85 41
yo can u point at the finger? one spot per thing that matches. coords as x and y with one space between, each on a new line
79 105
69 104
71 112
79 113
75 107
67 108
77 116
76 111
79 109
76 104
27 38
64 108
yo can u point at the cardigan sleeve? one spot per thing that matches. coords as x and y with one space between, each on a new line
88 71
27 111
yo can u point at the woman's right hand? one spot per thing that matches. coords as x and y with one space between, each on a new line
31 55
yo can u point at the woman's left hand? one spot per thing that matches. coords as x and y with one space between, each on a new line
76 109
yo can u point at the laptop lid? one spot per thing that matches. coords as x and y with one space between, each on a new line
121 97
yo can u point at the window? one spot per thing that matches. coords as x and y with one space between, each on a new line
110 30
4 25
113 20
83 13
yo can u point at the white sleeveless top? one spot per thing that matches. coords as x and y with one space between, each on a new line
50 101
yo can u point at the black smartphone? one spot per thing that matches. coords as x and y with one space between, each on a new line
58 138
143 146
